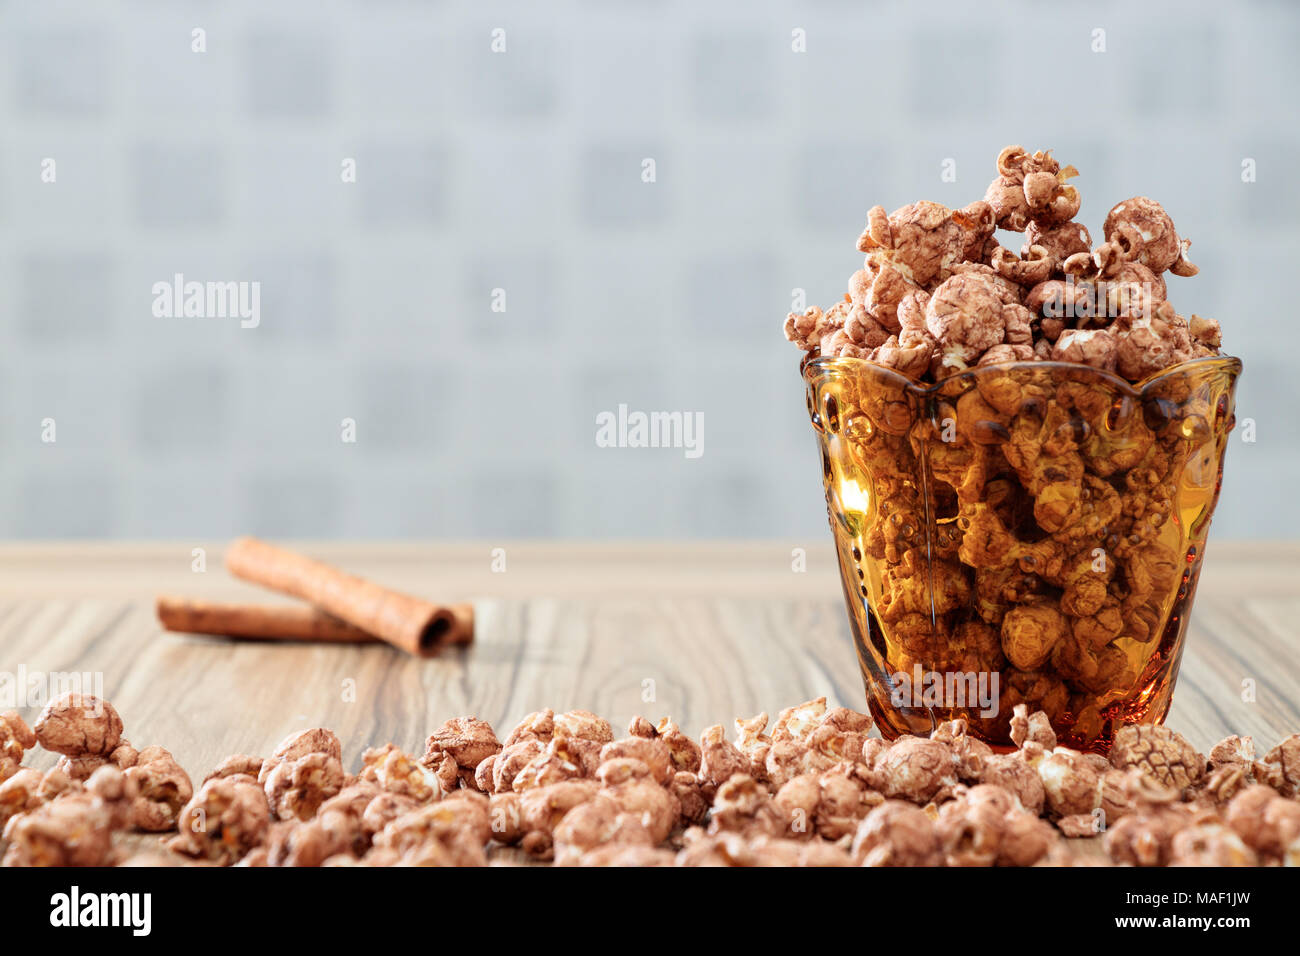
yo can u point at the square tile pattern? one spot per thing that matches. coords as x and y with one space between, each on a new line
470 229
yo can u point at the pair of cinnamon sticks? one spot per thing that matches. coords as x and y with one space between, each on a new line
343 608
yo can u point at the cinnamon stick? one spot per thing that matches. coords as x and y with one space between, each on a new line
412 624
269 622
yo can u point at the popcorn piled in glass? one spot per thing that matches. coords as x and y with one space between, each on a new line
1021 455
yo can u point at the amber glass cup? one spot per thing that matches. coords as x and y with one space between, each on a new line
1029 532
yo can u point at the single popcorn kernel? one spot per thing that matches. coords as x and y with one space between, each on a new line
226 818
965 317
1157 244
1031 188
15 738
1280 768
296 788
1095 347
1160 753
79 725
897 833
1030 632
396 772
162 790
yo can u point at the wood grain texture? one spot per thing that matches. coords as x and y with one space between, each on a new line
700 632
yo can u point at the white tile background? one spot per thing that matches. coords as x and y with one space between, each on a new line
522 171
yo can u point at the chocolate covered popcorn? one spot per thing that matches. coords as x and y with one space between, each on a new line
816 788
939 294
1021 455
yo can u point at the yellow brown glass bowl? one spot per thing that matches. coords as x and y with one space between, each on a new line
1029 532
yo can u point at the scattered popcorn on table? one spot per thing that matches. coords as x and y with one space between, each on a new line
836 797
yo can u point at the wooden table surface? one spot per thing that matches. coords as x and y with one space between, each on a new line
704 632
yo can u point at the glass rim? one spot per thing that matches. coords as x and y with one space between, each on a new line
823 366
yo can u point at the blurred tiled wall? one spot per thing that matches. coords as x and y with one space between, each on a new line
522 171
